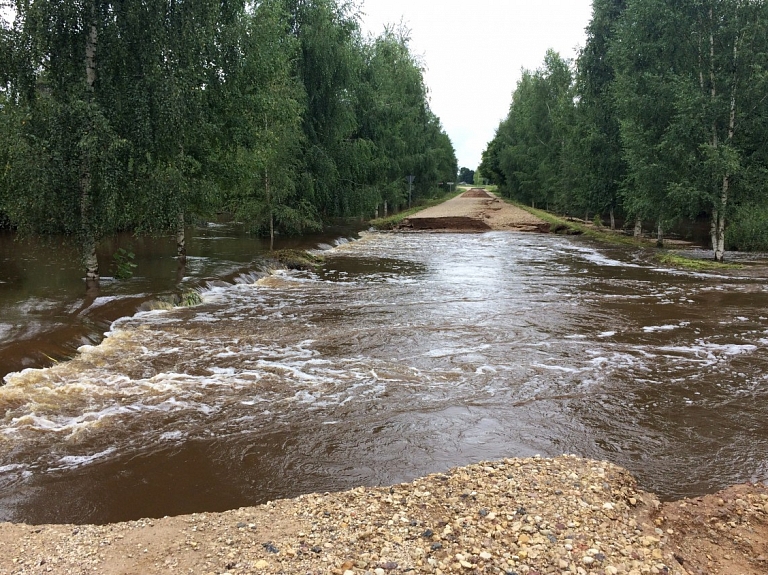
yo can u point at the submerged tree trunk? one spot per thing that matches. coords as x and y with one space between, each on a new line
90 261
181 238
660 236
271 214
271 232
638 228
717 227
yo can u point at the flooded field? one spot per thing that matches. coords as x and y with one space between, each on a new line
401 355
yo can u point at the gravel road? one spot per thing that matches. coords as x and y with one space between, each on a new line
475 210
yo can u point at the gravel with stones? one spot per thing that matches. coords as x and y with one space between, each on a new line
514 517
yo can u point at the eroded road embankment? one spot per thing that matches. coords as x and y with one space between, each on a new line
525 516
475 211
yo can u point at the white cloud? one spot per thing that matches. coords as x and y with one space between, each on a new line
474 52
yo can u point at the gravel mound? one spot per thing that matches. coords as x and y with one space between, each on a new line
474 211
476 193
516 516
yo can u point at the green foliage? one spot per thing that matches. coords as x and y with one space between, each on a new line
190 298
139 115
665 118
123 264
749 230
527 156
467 176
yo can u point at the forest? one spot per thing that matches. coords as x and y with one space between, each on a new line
142 116
662 118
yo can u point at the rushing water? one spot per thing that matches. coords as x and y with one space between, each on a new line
402 355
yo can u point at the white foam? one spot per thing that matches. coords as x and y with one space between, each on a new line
79 460
655 328
606 334
483 369
557 368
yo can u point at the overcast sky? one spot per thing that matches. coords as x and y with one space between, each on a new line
474 51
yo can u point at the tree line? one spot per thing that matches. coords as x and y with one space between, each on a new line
662 117
142 115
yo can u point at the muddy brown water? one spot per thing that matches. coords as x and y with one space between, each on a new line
402 355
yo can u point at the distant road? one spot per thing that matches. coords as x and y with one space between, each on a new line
475 210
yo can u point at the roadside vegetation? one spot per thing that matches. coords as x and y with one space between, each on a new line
600 233
681 261
146 116
662 118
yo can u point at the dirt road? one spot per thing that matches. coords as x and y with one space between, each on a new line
474 211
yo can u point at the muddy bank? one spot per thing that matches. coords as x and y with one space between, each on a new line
475 211
523 516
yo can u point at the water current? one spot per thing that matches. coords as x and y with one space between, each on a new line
400 356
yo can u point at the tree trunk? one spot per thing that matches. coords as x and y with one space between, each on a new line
385 208
718 222
181 270
271 231
638 228
181 239
718 213
376 213
660 236
88 237
613 220
90 261
713 225
90 56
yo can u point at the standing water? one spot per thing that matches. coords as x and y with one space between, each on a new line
402 355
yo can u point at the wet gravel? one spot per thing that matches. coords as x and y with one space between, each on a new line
514 517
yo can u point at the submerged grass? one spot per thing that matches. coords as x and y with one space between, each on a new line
695 264
567 227
296 259
189 298
561 225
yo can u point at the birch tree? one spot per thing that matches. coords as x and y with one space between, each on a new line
688 77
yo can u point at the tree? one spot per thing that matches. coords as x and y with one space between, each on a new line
467 176
264 109
66 163
595 141
528 155
688 85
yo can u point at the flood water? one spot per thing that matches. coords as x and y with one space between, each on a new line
402 355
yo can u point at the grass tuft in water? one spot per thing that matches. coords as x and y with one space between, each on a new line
680 261
296 259
189 298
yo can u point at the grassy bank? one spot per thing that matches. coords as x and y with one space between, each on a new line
664 257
